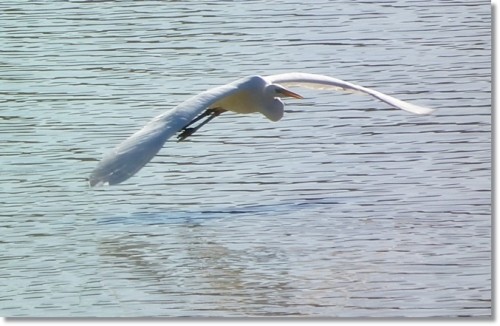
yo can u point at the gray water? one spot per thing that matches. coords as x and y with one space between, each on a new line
345 208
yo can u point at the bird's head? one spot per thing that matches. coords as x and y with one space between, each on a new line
275 109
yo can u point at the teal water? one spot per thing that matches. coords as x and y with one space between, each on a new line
345 208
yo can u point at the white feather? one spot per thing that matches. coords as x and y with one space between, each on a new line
138 149
322 82
246 95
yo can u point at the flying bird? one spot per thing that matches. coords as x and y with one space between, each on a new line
246 95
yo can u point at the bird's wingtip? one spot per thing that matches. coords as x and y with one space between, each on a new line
96 182
424 110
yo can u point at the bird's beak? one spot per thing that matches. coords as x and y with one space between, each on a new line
288 93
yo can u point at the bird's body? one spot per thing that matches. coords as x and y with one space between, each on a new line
247 95
243 101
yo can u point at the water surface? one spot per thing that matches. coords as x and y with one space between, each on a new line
345 208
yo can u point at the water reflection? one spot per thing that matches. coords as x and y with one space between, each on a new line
344 208
207 274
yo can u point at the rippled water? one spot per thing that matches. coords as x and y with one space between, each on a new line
344 208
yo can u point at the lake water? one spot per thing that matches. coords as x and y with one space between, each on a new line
344 208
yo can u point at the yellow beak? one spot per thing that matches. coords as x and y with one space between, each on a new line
288 93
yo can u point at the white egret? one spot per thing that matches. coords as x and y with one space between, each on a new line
246 95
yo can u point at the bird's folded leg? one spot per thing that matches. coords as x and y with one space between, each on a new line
188 131
198 118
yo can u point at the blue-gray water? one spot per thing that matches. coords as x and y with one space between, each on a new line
346 207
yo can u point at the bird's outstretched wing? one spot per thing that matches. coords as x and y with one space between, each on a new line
137 150
325 82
